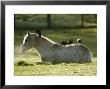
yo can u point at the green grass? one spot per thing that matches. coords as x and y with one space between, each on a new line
25 64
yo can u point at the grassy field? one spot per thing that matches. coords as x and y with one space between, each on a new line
25 64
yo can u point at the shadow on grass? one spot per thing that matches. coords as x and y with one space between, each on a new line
23 63
43 63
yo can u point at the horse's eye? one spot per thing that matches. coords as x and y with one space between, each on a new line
25 40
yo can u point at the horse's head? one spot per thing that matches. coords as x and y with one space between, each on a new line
29 41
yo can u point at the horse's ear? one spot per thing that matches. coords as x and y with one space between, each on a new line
28 33
39 33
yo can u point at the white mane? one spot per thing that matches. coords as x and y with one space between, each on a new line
48 40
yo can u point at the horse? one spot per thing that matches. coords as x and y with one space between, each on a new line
54 52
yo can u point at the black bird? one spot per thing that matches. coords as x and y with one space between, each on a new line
38 32
70 41
63 42
79 41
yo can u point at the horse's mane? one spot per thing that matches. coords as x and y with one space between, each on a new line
47 39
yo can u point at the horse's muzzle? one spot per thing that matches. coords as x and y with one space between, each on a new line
22 50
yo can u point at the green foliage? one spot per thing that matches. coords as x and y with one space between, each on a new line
57 20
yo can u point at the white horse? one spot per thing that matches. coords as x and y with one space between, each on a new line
54 52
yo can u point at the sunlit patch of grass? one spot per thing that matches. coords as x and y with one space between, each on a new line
35 68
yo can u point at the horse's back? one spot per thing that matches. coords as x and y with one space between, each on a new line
75 52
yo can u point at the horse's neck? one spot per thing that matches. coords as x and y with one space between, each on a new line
45 47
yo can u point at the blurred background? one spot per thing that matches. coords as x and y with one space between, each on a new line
27 21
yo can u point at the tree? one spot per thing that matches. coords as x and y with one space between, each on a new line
82 20
48 20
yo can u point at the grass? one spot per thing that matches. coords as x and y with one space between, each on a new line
29 67
25 64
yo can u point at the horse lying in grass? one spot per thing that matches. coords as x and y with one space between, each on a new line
54 52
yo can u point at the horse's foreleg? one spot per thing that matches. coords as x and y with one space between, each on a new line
39 56
43 59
